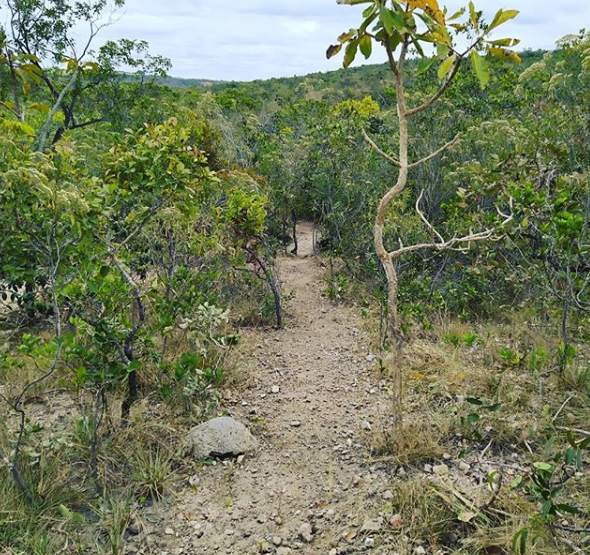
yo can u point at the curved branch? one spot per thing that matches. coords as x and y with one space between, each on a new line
450 144
440 91
455 243
55 109
381 153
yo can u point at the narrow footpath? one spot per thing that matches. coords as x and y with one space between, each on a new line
310 488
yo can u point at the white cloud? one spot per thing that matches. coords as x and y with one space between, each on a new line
253 39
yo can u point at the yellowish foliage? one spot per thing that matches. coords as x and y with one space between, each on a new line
430 7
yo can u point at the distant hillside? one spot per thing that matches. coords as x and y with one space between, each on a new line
181 82
332 86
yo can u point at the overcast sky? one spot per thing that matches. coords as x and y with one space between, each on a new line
255 39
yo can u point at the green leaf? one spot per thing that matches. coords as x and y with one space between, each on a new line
425 64
350 54
366 23
566 508
480 66
503 42
446 66
520 540
345 37
392 21
133 366
473 15
366 46
65 512
543 466
502 17
458 14
548 507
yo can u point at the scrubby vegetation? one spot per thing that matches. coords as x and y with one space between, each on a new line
139 224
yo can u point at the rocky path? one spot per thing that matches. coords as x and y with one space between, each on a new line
309 488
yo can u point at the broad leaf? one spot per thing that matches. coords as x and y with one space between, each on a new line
425 64
333 50
392 21
446 66
350 54
505 53
480 67
366 46
502 17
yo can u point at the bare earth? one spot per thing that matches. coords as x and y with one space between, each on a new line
312 471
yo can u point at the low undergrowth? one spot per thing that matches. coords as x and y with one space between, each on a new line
493 450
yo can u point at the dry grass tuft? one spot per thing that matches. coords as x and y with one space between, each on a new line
411 443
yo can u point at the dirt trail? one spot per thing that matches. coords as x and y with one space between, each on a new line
312 465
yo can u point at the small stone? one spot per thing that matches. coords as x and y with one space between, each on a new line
277 540
330 514
356 480
464 467
371 526
265 547
441 469
284 551
419 551
169 532
396 522
133 528
401 472
371 358
229 532
275 389
367 425
295 424
388 495
306 532
447 457
369 543
428 468
220 437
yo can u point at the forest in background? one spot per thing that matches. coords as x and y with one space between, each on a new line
139 227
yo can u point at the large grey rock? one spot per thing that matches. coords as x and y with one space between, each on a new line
220 437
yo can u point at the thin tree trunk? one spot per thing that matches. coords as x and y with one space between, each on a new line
294 223
17 476
270 279
132 379
56 107
387 259
564 334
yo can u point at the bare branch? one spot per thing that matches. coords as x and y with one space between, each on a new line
440 91
460 244
55 109
425 220
450 144
381 153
